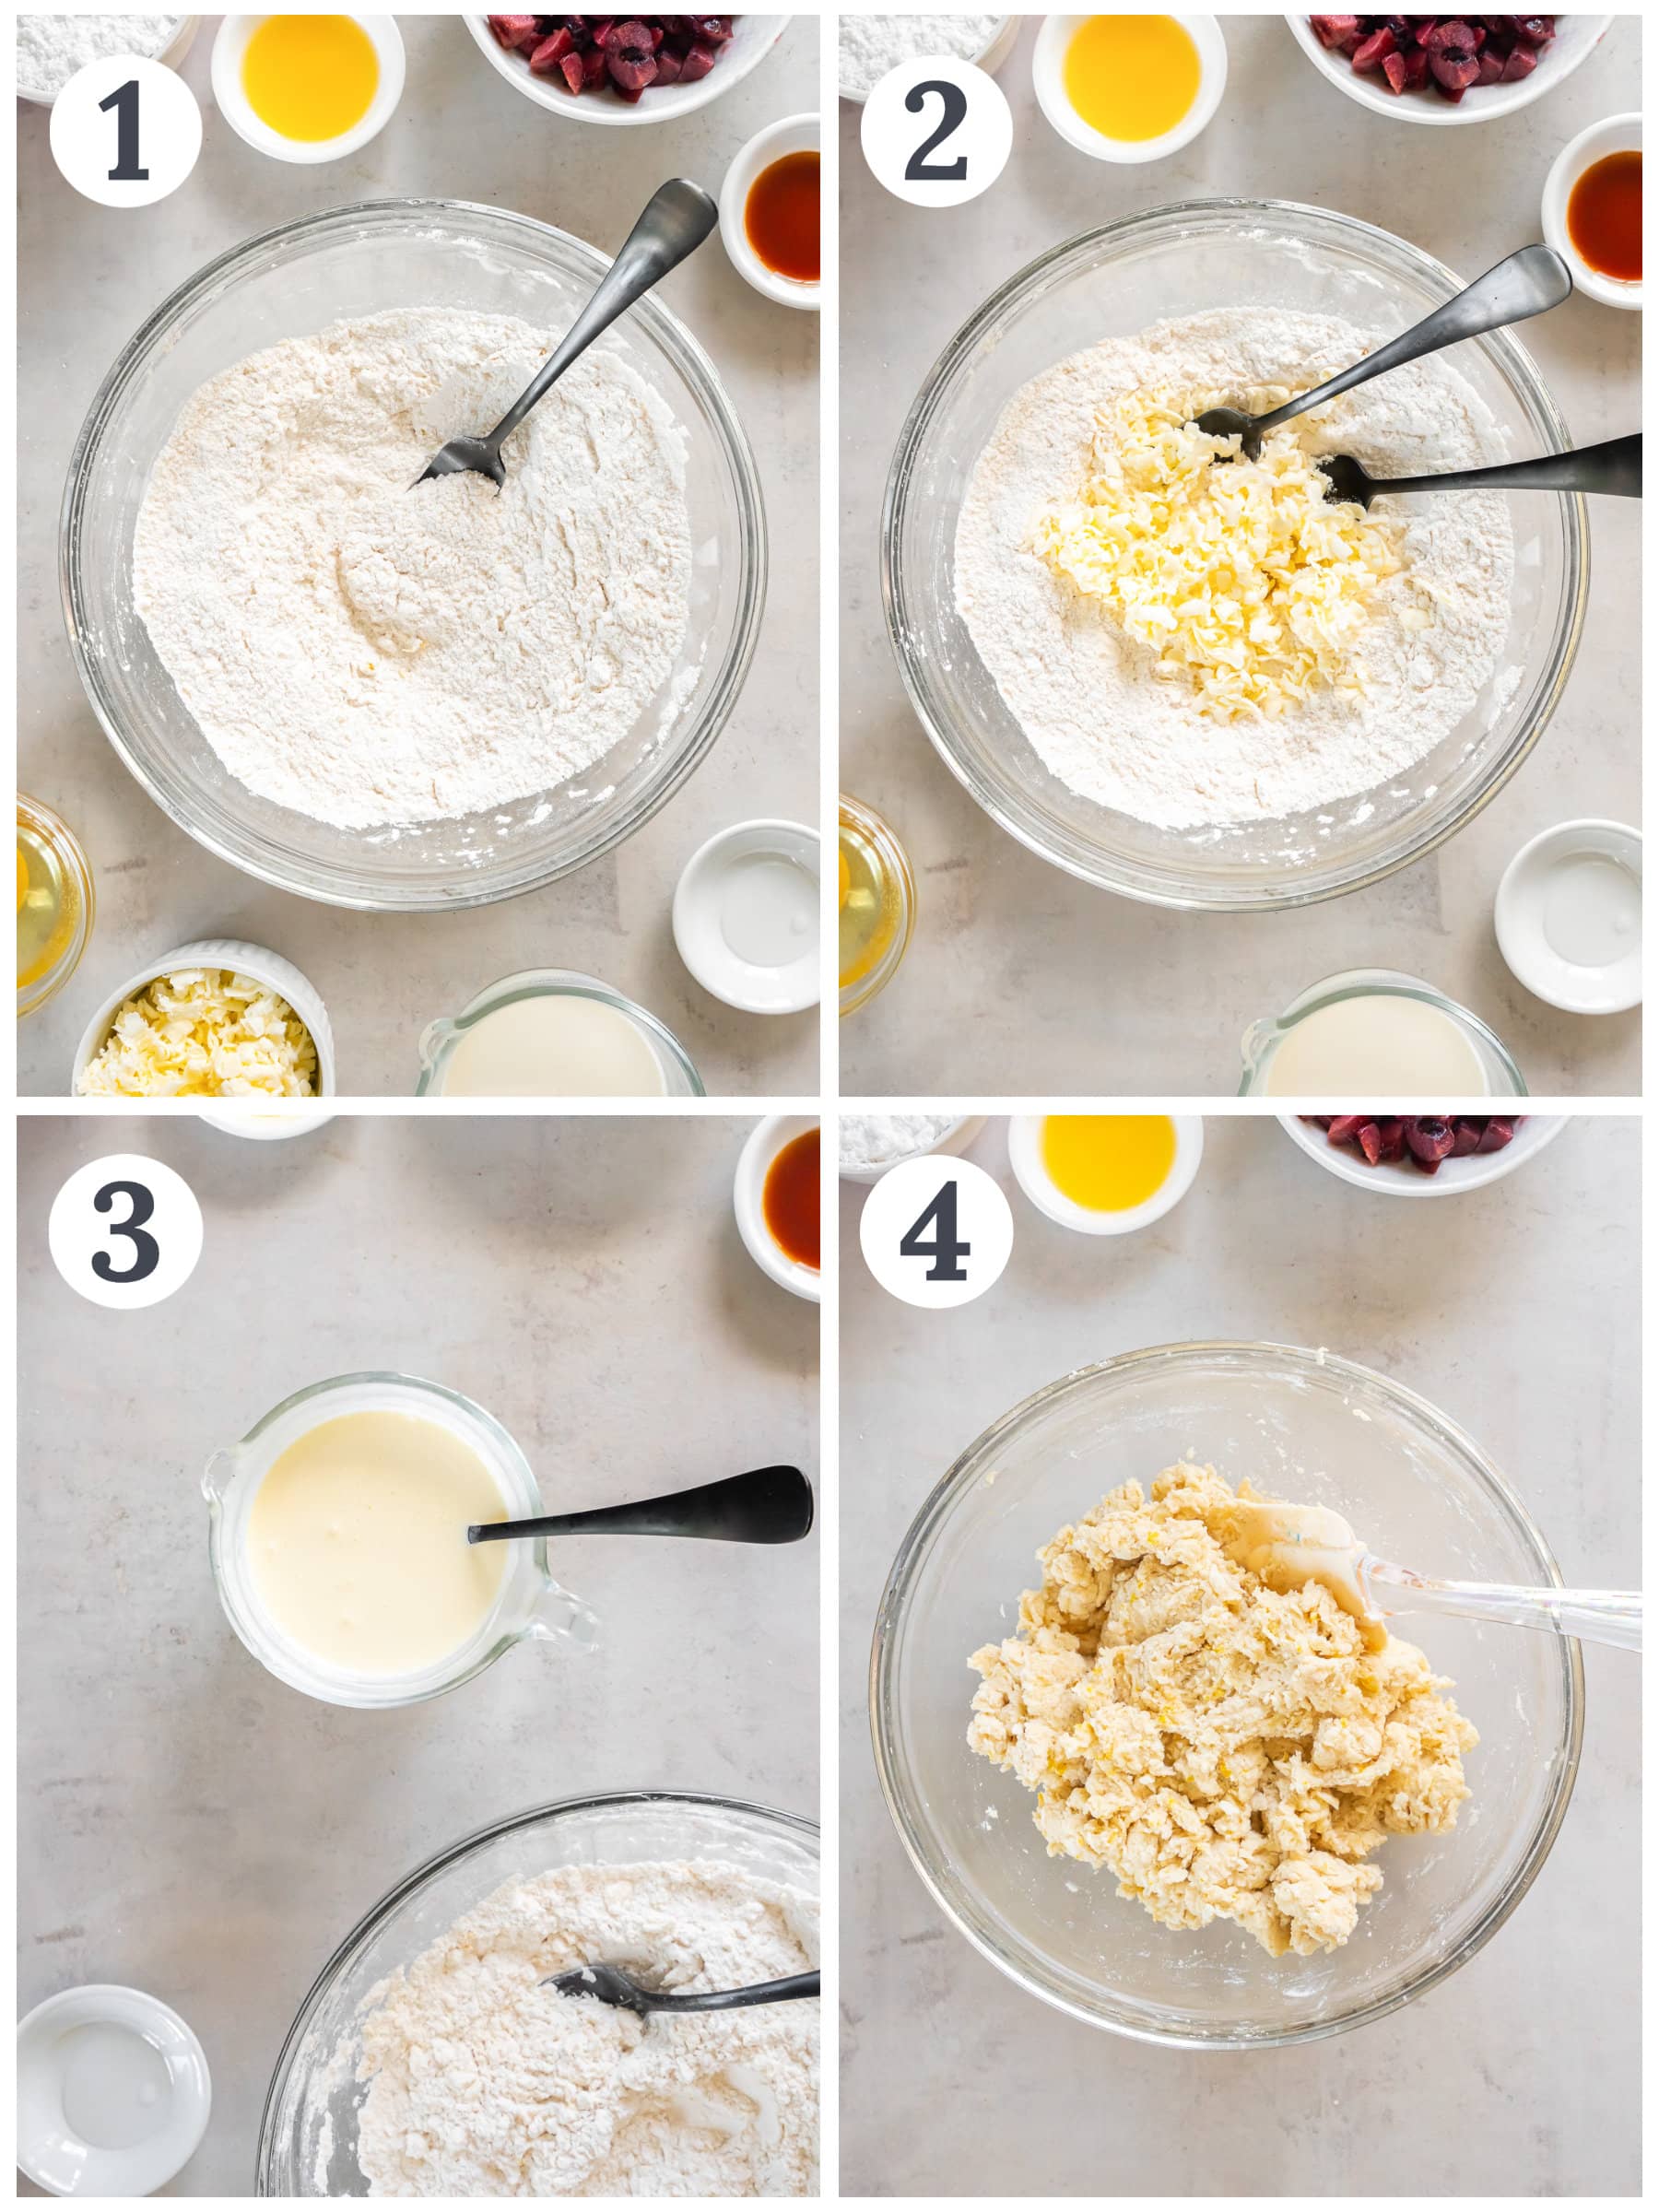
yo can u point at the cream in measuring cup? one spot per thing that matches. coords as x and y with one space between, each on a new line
355 1542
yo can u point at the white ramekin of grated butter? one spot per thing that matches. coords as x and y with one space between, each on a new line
153 1063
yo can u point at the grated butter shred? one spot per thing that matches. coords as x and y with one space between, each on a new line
1246 579
204 1033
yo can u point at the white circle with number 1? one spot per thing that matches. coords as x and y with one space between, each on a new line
936 132
936 1232
125 1231
125 133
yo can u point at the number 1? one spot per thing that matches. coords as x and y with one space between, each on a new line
124 100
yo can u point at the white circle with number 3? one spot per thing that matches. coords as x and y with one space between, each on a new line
125 1231
936 132
125 147
936 1232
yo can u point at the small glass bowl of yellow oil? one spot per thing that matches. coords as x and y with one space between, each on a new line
308 87
1105 1173
1129 88
877 903
55 903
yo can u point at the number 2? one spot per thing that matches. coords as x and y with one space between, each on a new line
919 169
948 1250
147 1253
124 100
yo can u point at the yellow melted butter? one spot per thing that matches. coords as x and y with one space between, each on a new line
1108 1162
311 77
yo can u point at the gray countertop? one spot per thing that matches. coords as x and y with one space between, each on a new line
89 276
1013 961
188 1824
1516 1309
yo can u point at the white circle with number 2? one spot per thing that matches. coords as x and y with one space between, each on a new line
125 148
936 1232
125 1231
938 147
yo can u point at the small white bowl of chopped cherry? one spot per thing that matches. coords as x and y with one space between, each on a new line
1422 1155
624 69
1442 69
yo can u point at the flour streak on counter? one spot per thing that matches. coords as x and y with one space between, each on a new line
373 654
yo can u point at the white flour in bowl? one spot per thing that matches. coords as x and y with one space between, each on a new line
871 45
53 49
1085 693
371 652
878 1140
484 2082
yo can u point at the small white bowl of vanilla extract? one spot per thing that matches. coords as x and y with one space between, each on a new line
770 212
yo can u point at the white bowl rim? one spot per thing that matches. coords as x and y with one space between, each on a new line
277 973
1056 32
231 42
1005 37
618 112
805 134
795 842
171 57
1589 834
957 1140
1612 134
1402 107
1393 1180
766 1139
1025 1156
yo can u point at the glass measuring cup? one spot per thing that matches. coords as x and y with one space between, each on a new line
530 1604
439 1038
1262 1039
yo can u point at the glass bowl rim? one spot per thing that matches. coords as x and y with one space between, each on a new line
672 338
947 1494
1027 281
440 1863
873 824
72 857
1345 983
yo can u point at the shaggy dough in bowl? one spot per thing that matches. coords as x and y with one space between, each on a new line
1228 1751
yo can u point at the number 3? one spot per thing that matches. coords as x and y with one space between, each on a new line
953 102
147 1253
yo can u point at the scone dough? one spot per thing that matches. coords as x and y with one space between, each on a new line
1227 1750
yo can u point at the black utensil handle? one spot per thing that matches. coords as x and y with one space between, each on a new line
1611 468
730 2000
769 1505
1521 285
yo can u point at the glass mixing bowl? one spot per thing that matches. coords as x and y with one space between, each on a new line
366 260
530 1604
439 1038
307 2137
1302 1425
1262 1039
1114 281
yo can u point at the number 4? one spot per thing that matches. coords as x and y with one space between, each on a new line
948 1250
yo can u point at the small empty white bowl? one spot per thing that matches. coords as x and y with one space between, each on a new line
113 2093
1399 1178
1567 916
746 916
1025 1156
267 968
766 1139
231 44
1617 134
1048 81
795 135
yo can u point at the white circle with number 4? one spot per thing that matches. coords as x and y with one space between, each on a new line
936 132
125 1231
125 133
936 1232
